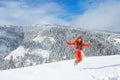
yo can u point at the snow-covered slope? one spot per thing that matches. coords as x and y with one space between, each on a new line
91 68
117 40
47 43
19 52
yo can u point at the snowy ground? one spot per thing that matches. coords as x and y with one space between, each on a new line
92 68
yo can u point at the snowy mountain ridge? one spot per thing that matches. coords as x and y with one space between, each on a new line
47 43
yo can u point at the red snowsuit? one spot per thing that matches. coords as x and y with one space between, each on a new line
77 52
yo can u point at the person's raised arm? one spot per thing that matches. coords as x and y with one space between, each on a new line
70 43
87 44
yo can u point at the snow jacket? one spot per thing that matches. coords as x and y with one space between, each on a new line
75 45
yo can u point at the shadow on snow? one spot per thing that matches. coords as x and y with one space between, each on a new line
114 65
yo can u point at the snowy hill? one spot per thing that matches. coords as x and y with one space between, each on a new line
45 43
91 68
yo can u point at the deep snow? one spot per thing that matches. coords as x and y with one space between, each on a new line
91 68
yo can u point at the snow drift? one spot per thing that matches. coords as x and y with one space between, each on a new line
91 68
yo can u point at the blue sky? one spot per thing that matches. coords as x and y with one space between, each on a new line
88 14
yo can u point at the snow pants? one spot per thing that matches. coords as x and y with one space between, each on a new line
78 56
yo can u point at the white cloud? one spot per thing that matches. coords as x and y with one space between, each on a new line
99 14
105 16
18 13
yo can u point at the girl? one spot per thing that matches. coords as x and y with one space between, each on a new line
78 47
